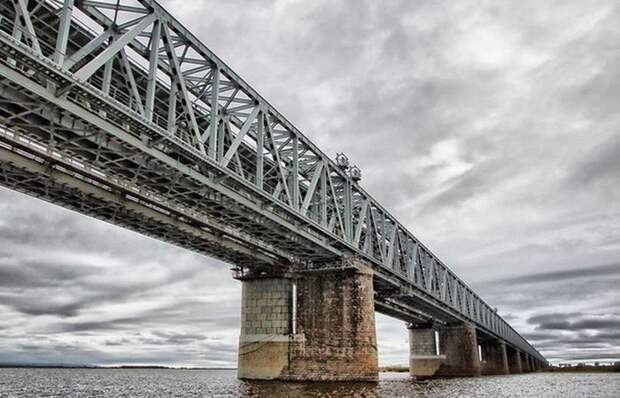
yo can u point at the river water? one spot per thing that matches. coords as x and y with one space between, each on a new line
150 383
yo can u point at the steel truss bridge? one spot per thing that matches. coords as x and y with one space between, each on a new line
115 110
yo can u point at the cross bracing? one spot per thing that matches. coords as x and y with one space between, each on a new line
114 109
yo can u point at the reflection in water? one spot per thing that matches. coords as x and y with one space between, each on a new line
323 390
153 383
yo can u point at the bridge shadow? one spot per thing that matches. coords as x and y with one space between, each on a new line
389 385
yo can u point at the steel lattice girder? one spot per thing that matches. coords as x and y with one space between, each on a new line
123 96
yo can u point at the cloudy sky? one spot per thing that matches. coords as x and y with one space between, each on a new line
489 128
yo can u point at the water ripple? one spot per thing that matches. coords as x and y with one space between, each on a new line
159 383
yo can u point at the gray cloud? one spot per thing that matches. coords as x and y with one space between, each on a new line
598 271
126 323
594 291
28 306
575 321
29 274
600 167
576 335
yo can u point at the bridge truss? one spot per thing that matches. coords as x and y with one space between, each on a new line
113 109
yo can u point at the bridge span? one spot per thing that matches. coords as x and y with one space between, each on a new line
115 110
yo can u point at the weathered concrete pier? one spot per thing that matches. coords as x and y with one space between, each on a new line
494 358
316 325
463 352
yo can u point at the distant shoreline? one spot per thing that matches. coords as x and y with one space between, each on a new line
60 366
383 369
584 369
553 369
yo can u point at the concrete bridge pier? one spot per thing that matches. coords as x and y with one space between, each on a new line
311 326
514 361
460 346
266 337
423 357
525 363
494 358
536 365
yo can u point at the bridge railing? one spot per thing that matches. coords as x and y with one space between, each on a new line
140 56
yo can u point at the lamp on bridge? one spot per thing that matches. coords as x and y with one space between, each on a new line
355 173
342 161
